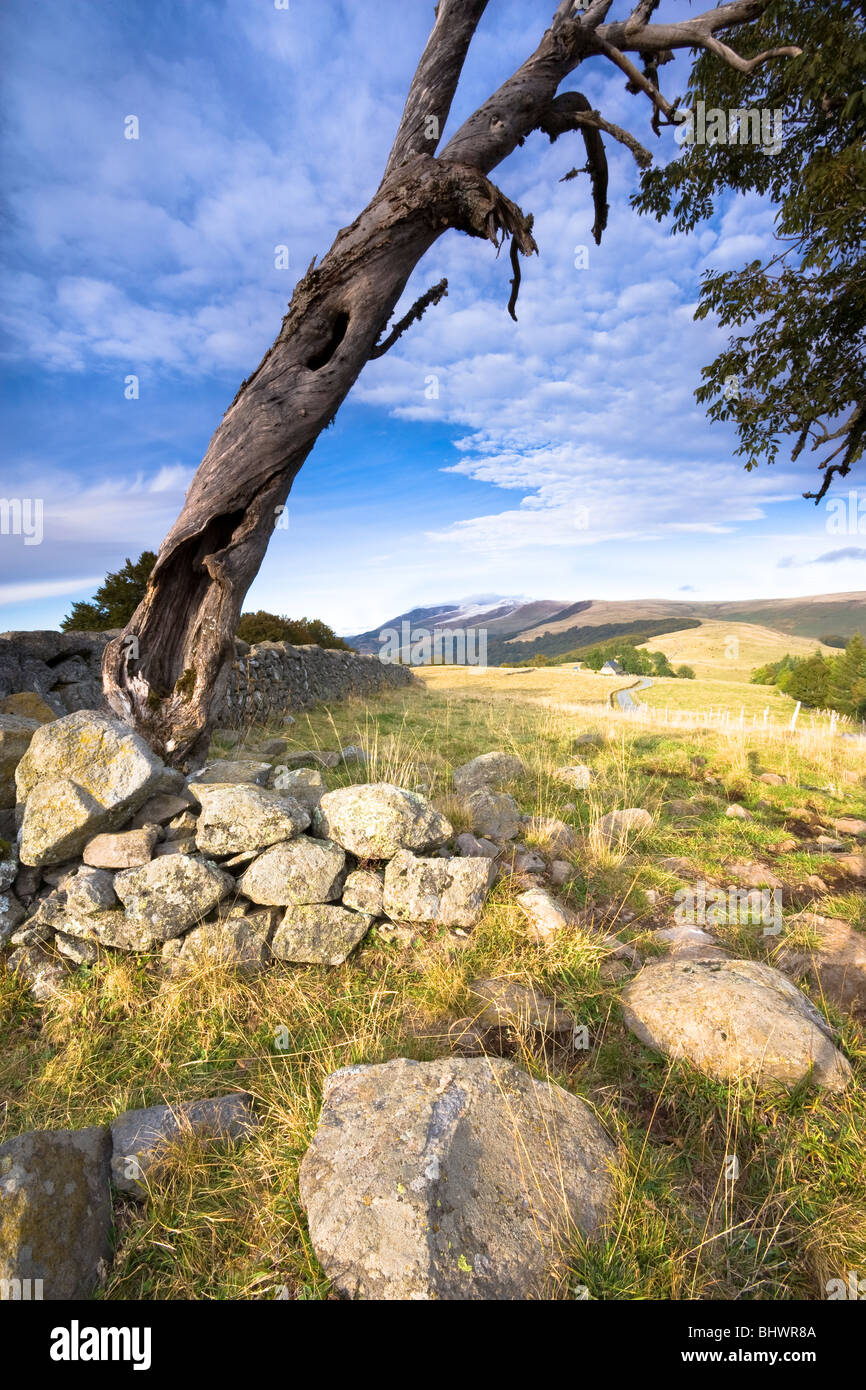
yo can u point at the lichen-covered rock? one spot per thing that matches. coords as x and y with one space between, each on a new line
76 948
28 705
125 849
462 1178
375 820
235 943
487 771
494 815
55 1210
40 968
445 892
835 963
233 772
95 773
363 891
112 928
618 826
91 890
162 808
139 1138
319 934
577 776
306 785
238 818
556 834
503 1003
733 1019
170 894
303 870
11 914
474 847
16 731
546 916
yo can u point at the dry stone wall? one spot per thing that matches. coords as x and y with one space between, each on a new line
64 669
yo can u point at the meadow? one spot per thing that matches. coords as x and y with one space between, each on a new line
226 1224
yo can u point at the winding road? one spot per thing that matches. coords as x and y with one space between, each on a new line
624 697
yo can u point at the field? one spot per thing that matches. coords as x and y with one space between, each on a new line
730 651
227 1224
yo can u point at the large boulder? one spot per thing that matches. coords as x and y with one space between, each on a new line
16 731
304 870
55 1210
374 820
170 894
319 934
462 1178
236 818
140 1137
81 775
733 1019
445 892
487 771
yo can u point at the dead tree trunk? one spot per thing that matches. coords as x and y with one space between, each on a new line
165 673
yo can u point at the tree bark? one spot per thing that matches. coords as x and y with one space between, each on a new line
166 672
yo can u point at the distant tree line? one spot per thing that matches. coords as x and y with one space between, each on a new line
117 598
822 682
632 659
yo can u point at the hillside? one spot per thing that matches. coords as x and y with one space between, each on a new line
730 651
519 628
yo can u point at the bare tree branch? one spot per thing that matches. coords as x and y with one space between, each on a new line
734 60
564 114
432 296
435 81
637 80
640 16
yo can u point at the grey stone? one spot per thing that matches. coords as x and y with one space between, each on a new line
234 772
11 915
618 826
486 772
319 934
126 849
97 772
494 815
91 890
733 1019
835 964
476 848
504 1003
55 1210
41 970
462 1178
363 892
76 948
16 731
306 785
375 820
238 818
160 809
171 893
446 893
304 870
139 1138
547 917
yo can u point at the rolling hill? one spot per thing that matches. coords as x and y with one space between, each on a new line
519 628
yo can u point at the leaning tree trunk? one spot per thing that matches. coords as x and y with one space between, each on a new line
167 671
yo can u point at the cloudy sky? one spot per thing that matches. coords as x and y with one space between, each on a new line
563 456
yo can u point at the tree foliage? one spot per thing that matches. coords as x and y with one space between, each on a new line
822 682
115 600
269 627
796 364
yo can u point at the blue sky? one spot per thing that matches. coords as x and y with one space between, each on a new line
565 456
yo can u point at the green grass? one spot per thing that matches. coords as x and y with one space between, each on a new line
223 1224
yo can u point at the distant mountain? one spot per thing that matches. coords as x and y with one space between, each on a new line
518 628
